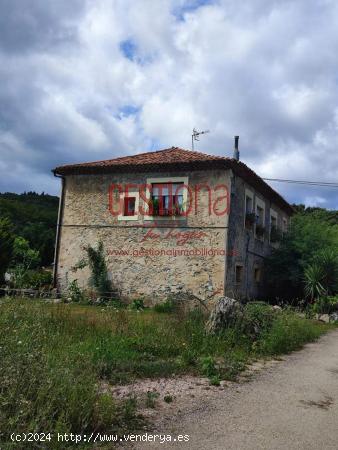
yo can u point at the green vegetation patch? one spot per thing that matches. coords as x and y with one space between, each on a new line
55 359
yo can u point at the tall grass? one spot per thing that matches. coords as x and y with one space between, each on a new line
53 359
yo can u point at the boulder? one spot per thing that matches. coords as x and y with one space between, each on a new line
277 308
226 312
333 317
323 317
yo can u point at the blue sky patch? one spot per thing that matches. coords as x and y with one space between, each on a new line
191 5
128 110
129 49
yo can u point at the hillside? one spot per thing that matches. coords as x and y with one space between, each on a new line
34 217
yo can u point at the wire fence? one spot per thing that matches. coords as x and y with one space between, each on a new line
29 293
54 294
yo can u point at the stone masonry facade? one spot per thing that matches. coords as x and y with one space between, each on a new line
141 253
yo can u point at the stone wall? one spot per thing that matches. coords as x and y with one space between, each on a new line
145 258
244 248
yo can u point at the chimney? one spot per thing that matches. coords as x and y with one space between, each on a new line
236 151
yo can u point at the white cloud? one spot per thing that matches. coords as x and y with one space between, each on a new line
264 70
315 201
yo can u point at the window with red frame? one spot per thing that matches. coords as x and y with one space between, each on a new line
129 206
167 199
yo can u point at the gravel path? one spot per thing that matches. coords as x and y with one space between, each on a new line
289 405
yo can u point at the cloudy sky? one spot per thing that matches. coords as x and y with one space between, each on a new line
86 80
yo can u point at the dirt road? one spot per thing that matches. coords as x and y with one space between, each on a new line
291 405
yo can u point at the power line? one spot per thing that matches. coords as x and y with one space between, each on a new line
311 183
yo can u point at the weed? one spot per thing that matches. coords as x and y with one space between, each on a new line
151 399
215 380
168 398
208 366
289 332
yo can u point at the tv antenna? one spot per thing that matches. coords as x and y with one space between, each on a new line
195 135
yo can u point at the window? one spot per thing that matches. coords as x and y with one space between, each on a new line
129 206
257 274
284 225
249 211
238 274
274 234
168 198
260 219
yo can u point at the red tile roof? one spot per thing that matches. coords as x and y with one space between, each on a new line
175 158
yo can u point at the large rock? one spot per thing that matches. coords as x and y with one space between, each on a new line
323 317
226 312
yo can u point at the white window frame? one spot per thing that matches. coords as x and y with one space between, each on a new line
165 180
273 214
131 193
249 194
260 204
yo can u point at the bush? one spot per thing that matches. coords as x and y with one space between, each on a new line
137 304
208 366
325 305
258 317
35 279
75 293
321 277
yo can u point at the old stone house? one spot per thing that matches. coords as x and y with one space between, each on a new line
173 222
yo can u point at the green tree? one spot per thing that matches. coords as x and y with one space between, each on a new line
311 233
34 217
24 259
6 246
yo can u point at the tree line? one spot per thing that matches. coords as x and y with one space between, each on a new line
27 232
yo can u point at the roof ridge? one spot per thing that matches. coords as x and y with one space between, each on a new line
146 153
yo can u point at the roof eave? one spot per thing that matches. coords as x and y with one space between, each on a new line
239 168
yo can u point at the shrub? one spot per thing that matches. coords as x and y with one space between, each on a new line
35 279
208 366
24 259
137 304
325 305
258 317
321 277
75 293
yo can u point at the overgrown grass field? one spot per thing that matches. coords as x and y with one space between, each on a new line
54 358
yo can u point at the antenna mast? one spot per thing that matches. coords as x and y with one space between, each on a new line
195 135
